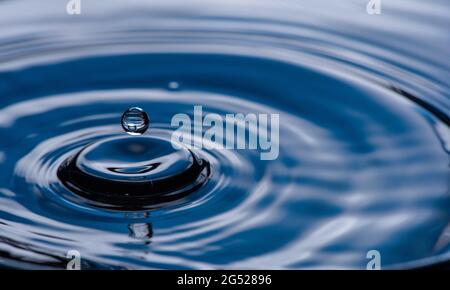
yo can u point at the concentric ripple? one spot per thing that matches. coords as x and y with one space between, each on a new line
364 138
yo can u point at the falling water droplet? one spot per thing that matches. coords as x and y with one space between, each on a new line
174 86
135 121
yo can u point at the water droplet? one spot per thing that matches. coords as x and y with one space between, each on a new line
174 86
142 231
135 121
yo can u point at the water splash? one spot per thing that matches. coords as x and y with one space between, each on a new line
363 160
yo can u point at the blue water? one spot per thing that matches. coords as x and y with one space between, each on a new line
364 144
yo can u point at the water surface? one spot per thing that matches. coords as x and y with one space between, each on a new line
364 138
